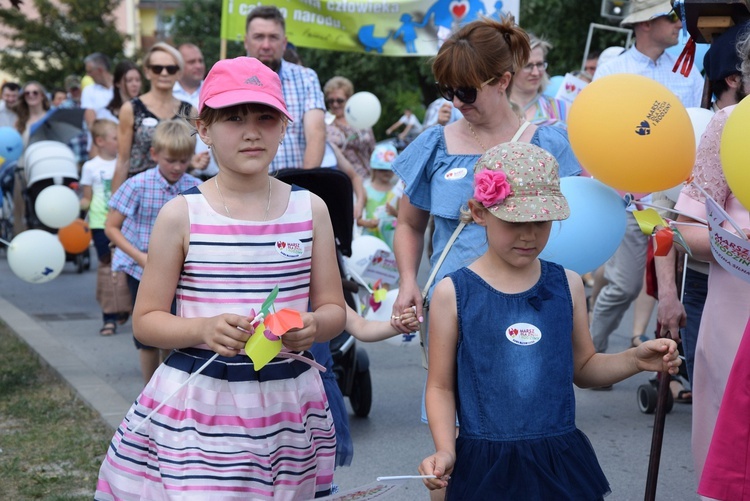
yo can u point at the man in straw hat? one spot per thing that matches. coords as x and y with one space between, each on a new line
656 27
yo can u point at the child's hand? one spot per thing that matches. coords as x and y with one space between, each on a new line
368 223
439 464
409 319
658 355
227 334
301 339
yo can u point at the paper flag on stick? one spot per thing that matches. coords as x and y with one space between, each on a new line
648 220
284 320
265 342
262 348
662 241
266 306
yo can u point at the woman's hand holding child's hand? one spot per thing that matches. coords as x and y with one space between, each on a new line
409 319
658 355
439 464
301 339
227 334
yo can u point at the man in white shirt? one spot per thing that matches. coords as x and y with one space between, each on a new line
412 126
96 97
188 89
9 99
657 27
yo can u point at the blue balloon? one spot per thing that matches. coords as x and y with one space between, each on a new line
553 86
11 145
594 230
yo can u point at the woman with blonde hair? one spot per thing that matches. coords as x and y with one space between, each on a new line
356 144
528 86
31 106
139 117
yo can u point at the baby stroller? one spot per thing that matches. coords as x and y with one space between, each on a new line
7 175
48 163
350 363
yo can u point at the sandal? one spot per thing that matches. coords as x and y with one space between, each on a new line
638 340
684 397
108 329
123 317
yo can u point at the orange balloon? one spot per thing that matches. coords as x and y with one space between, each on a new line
76 237
632 133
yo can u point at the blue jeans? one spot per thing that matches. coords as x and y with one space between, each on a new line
693 300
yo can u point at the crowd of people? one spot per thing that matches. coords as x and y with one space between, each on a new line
179 186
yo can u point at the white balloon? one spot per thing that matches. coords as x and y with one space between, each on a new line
363 248
362 110
36 256
699 117
57 206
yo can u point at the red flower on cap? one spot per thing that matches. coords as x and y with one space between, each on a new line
491 187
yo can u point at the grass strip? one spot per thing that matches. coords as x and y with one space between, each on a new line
51 443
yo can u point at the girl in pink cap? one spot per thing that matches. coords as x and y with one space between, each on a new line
220 249
508 339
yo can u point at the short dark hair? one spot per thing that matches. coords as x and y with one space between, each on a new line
269 12
11 86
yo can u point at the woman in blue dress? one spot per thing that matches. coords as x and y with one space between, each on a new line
509 337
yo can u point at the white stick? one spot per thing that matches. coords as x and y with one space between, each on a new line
259 316
740 232
672 210
404 477
7 244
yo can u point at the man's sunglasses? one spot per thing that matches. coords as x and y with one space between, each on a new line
672 16
466 95
157 69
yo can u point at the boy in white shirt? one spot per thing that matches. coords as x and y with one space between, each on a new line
96 182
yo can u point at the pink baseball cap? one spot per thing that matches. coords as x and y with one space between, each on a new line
242 80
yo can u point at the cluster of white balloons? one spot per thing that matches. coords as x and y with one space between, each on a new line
37 256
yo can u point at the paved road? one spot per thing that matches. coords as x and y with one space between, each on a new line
61 321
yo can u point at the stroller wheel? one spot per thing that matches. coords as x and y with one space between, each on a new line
361 396
647 396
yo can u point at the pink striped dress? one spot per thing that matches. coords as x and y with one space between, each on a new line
232 432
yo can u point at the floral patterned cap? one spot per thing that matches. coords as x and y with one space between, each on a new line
519 183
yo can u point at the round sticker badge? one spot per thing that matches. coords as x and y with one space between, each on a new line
523 334
456 173
290 248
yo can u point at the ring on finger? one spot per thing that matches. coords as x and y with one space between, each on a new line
396 317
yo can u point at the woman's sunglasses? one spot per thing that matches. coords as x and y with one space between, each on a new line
466 95
335 100
29 93
158 69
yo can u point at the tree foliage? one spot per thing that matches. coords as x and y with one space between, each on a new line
406 82
52 46
199 22
565 24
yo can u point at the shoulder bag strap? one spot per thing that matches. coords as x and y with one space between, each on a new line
440 260
520 131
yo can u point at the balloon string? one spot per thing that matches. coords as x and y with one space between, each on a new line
258 317
7 244
673 210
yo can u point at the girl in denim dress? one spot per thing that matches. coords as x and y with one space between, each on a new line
508 339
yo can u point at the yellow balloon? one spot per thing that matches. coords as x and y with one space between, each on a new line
632 133
733 152
86 81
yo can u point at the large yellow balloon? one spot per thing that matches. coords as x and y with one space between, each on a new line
632 133
734 152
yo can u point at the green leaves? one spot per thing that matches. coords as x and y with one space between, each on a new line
52 46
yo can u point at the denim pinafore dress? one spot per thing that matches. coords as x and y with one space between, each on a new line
515 401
